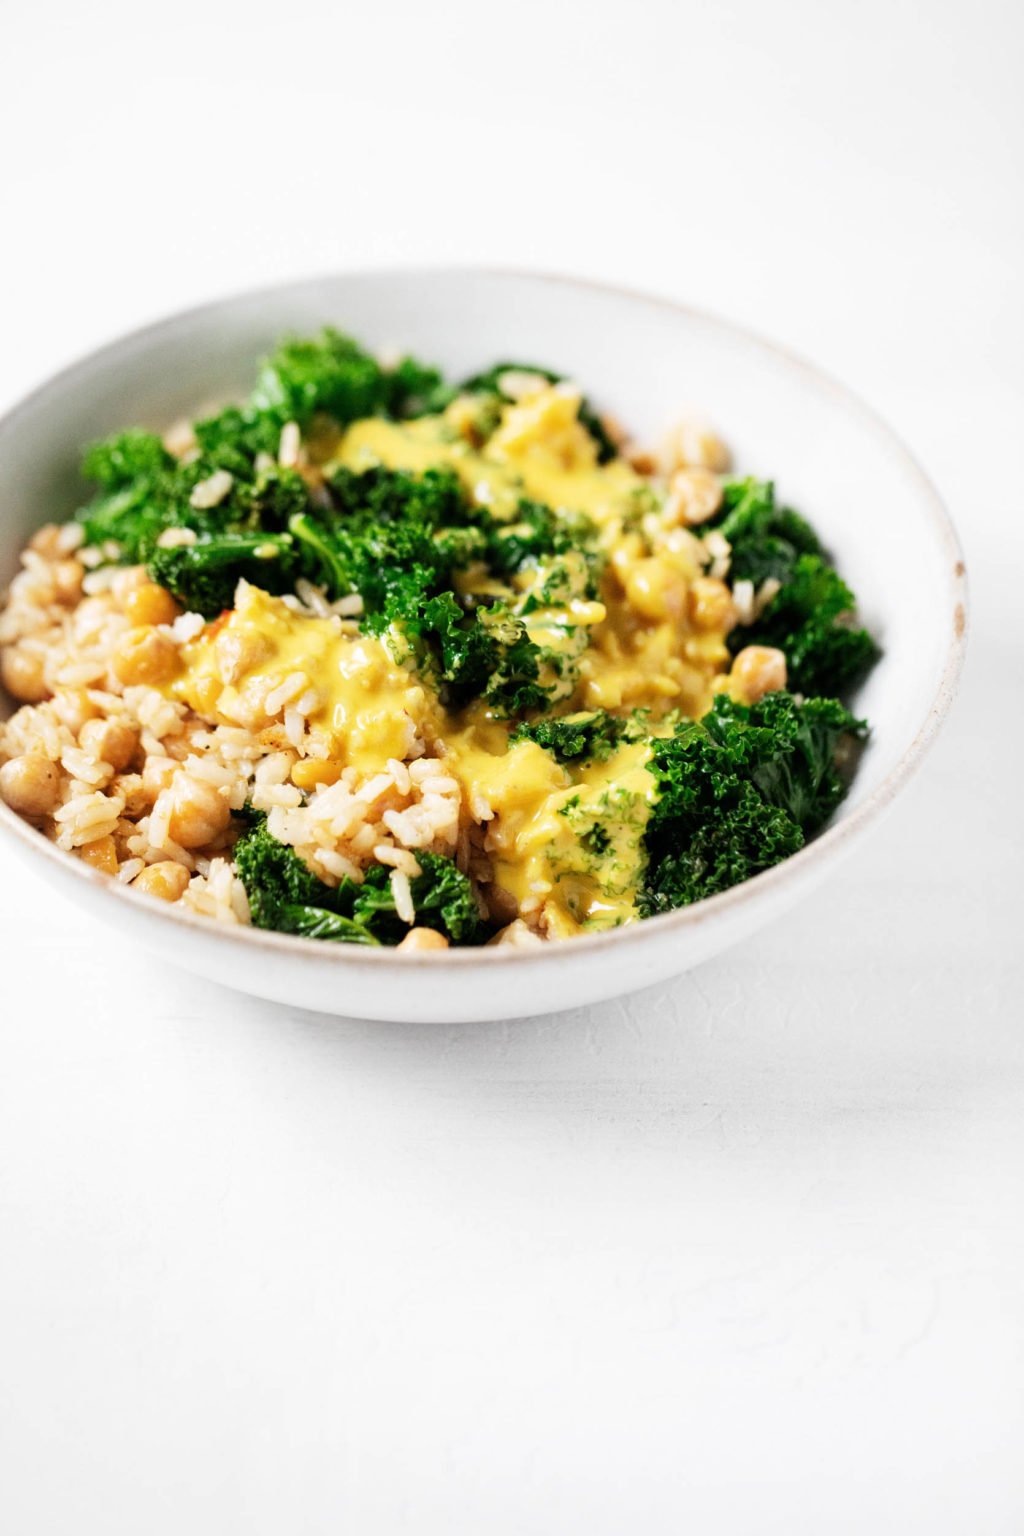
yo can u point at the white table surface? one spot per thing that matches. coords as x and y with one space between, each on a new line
740 1254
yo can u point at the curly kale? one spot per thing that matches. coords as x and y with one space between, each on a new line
203 576
739 791
514 685
118 461
397 539
285 895
789 749
390 534
144 489
414 389
441 894
810 618
235 437
765 539
332 375
135 474
535 534
489 383
588 735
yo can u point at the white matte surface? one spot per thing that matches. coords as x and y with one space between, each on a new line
741 1254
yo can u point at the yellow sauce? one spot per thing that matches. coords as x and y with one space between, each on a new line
367 707
577 851
540 450
564 841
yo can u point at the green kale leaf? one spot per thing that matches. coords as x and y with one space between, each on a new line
739 791
811 617
203 576
441 894
587 735
285 895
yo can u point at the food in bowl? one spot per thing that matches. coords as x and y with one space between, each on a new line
376 659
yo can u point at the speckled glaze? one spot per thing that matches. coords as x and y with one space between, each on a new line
645 359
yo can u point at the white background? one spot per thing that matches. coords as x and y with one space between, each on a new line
741 1254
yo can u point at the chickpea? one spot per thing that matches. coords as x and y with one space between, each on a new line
30 784
206 694
149 604
46 541
112 741
166 879
73 707
312 771
423 939
757 670
238 651
157 773
627 551
22 675
711 604
643 460
694 446
67 580
196 811
655 588
100 854
694 496
144 655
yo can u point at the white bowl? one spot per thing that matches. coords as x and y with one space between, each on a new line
643 359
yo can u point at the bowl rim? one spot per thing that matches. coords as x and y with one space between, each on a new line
784 876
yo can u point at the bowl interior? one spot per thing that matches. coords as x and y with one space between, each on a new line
641 358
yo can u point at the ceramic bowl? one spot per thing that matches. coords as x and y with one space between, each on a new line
643 359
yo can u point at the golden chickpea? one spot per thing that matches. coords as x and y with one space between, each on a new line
167 880
67 580
100 854
157 773
757 670
711 605
30 784
239 651
73 707
644 460
423 939
627 551
311 771
694 496
150 604
206 692
45 541
196 811
112 741
694 445
22 675
144 655
655 588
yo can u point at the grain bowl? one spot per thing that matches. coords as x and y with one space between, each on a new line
407 667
